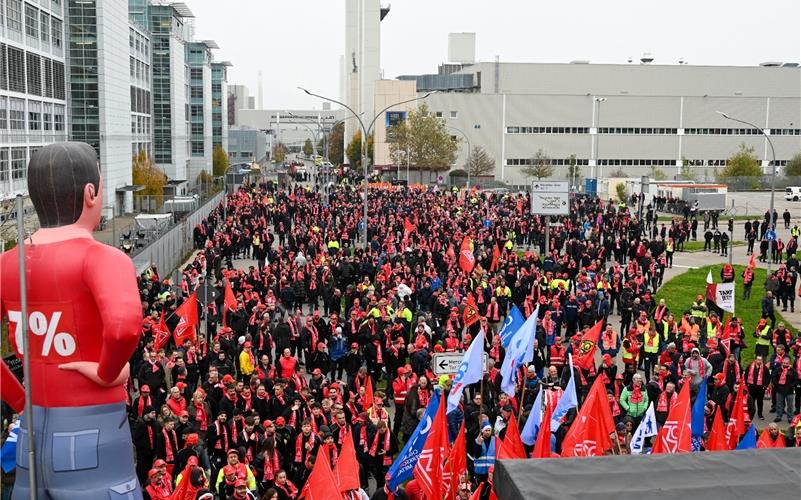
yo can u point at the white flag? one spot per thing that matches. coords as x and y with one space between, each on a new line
647 428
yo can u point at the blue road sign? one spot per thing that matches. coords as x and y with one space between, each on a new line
770 235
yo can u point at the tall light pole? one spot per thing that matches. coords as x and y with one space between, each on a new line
596 101
313 133
365 133
469 151
772 174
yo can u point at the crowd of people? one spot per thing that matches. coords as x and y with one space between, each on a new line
325 336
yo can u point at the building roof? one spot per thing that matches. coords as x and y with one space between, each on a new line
182 9
210 44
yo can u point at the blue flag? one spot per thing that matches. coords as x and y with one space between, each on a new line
403 467
470 371
749 441
529 433
568 400
698 411
8 453
521 350
514 320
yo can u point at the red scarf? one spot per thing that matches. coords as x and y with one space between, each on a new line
424 395
333 453
636 394
363 438
736 370
663 405
222 430
343 430
783 376
142 404
288 488
379 355
200 416
271 465
751 375
169 438
299 447
385 447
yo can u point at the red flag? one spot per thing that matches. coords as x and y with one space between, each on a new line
450 253
368 395
676 435
229 300
736 426
346 471
765 441
512 445
725 337
161 333
408 227
585 358
470 314
455 466
590 433
187 312
477 494
318 486
466 259
717 436
496 258
428 470
752 261
542 447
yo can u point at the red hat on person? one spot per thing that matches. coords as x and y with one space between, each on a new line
280 421
234 451
240 482
192 439
228 470
192 460
152 472
144 388
159 463
401 370
248 344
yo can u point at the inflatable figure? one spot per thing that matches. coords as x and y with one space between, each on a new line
84 321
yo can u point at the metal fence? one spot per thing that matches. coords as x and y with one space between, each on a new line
759 183
167 251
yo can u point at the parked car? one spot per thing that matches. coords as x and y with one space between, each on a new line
792 193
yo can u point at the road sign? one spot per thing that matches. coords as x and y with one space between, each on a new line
447 363
770 235
550 198
550 187
207 293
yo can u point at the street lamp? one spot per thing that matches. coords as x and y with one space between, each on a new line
365 133
772 173
469 151
597 102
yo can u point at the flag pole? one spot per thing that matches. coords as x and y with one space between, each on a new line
26 359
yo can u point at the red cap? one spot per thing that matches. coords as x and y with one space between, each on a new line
401 370
232 450
248 344
159 463
152 473
192 460
144 388
280 421
268 423
316 371
228 470
240 482
355 344
192 439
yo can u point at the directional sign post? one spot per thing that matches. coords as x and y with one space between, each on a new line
550 198
770 235
447 363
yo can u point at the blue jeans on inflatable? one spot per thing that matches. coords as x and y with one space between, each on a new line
81 452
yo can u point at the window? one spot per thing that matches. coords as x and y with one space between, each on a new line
34 74
31 21
197 111
57 31
3 164
16 69
3 71
47 83
132 65
3 114
58 80
197 129
18 163
34 115
47 117
44 26
16 114
454 114
196 74
438 114
14 14
197 92
197 148
58 118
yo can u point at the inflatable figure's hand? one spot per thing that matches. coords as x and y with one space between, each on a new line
89 370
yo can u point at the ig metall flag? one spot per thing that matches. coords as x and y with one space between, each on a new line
402 469
520 351
529 433
512 324
470 371
568 400
647 428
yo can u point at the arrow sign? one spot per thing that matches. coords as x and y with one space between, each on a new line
447 363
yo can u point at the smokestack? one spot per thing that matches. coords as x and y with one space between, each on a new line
260 93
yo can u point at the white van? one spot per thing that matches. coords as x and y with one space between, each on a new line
792 193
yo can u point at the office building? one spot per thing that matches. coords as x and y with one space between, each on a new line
634 117
199 58
32 89
246 144
219 104
238 98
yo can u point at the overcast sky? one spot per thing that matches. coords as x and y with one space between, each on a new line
299 42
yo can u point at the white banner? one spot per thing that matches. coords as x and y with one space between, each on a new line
724 296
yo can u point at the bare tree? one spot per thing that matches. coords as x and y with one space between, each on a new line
479 162
539 166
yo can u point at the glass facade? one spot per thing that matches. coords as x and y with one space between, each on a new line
83 78
198 57
161 31
218 78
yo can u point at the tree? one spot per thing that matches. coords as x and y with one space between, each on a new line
658 174
620 190
308 147
573 171
743 163
355 150
619 173
479 162
429 145
335 152
280 152
539 166
321 147
793 168
687 172
219 160
146 173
